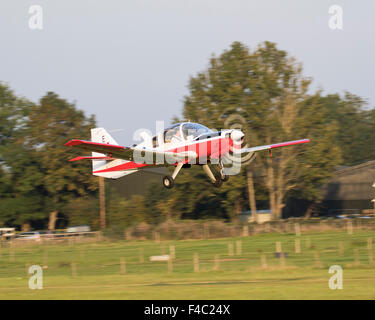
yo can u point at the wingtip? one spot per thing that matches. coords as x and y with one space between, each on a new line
75 159
73 142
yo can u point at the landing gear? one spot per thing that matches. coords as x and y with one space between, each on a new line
218 182
168 182
224 177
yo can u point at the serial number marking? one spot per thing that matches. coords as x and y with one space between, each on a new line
209 309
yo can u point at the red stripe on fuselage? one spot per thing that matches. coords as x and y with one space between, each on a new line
210 148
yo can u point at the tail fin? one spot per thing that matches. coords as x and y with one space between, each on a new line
101 135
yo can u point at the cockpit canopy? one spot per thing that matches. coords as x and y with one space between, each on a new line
185 131
180 132
193 130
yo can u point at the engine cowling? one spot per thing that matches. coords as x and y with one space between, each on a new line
237 135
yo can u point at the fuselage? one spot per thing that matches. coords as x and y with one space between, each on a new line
182 137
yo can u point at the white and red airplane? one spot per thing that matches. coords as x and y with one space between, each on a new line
180 145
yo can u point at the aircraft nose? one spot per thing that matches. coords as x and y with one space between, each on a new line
237 135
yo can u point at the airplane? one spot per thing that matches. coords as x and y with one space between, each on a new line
180 145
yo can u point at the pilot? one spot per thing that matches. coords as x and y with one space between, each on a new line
176 137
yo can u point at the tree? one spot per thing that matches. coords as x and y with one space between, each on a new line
355 126
20 202
50 124
12 114
125 213
83 211
267 91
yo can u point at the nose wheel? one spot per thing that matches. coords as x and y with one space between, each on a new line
168 182
224 177
218 182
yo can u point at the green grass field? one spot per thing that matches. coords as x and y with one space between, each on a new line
98 272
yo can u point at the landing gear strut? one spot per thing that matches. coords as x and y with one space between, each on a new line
216 181
168 181
224 177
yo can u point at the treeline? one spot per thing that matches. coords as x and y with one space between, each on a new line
37 182
262 91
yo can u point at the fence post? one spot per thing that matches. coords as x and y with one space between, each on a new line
238 247
216 263
206 231
45 259
230 249
245 231
297 245
263 261
369 248
196 262
170 264
278 247
172 252
156 236
350 227
267 227
141 255
82 253
74 269
356 258
308 243
122 266
99 236
163 249
297 229
12 255
318 264
341 248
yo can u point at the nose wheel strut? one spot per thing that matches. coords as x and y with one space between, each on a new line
168 181
216 181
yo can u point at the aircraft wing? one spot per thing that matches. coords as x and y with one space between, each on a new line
273 146
128 153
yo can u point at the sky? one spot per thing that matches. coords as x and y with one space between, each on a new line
129 62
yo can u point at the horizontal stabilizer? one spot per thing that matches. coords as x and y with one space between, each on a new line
90 158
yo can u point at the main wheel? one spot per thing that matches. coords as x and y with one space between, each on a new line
218 181
168 182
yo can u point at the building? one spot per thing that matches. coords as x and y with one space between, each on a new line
350 190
